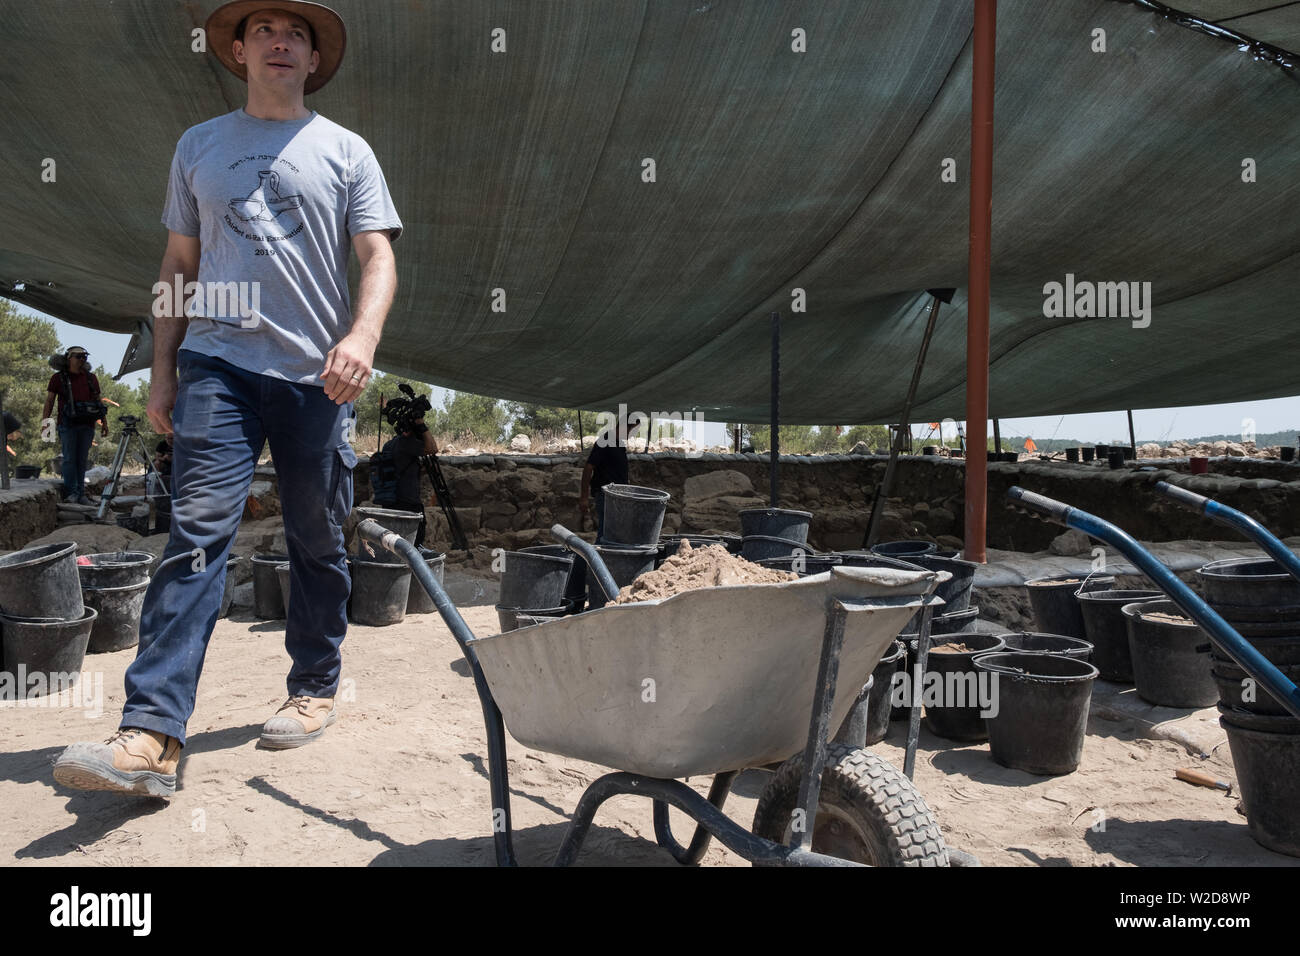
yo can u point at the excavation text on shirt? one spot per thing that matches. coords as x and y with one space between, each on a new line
274 205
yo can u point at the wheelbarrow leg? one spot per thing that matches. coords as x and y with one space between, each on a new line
730 834
819 727
692 855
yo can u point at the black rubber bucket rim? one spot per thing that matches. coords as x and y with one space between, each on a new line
984 662
1079 644
52 552
1105 596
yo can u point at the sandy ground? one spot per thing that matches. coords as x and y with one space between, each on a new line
400 780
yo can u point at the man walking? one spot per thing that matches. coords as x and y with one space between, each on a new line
267 199
76 389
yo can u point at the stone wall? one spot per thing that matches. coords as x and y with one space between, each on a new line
29 509
511 501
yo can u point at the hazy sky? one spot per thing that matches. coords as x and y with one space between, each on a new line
1151 424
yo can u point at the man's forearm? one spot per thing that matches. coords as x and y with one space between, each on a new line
169 331
375 294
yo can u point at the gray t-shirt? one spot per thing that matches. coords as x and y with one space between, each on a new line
275 204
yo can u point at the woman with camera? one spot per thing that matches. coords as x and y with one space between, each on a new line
77 391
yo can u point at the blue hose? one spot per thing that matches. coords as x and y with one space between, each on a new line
1221 632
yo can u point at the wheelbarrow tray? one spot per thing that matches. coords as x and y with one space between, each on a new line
703 682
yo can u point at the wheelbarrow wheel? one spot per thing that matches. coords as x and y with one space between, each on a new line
868 812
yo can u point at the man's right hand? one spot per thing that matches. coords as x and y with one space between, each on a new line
162 399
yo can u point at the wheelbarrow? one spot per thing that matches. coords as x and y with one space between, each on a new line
709 682
1221 633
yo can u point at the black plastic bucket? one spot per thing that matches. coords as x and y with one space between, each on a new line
1257 582
417 599
228 588
268 597
776 523
956 592
1278 650
958 622
380 590
904 549
1168 668
1041 703
404 523
1285 453
1239 689
1088 453
634 516
509 617
23 472
879 708
1106 629
624 564
1236 614
35 645
803 565
41 582
854 729
670 544
1116 460
1071 454
575 586
1053 599
869 559
282 575
759 547
117 616
956 714
1036 643
114 569
1268 777
535 579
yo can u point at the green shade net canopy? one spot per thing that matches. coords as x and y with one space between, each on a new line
608 209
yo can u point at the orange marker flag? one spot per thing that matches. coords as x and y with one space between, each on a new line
1030 446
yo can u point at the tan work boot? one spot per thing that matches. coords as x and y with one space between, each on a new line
300 720
139 762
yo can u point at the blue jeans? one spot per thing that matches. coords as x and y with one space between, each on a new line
75 441
223 415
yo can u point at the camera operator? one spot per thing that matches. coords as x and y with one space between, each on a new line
76 389
413 440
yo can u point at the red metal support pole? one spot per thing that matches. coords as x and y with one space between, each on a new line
977 300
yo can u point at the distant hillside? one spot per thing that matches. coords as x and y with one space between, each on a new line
1048 445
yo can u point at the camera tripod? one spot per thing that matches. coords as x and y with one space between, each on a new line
123 443
431 468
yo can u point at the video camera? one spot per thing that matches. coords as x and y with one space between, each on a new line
405 413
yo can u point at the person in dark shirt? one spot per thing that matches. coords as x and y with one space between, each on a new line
606 465
406 449
75 439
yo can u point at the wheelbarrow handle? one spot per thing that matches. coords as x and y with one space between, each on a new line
590 555
374 533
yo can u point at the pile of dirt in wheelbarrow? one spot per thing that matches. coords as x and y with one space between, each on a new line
693 568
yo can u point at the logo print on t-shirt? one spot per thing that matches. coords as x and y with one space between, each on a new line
264 203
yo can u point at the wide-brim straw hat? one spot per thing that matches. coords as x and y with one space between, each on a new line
331 36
